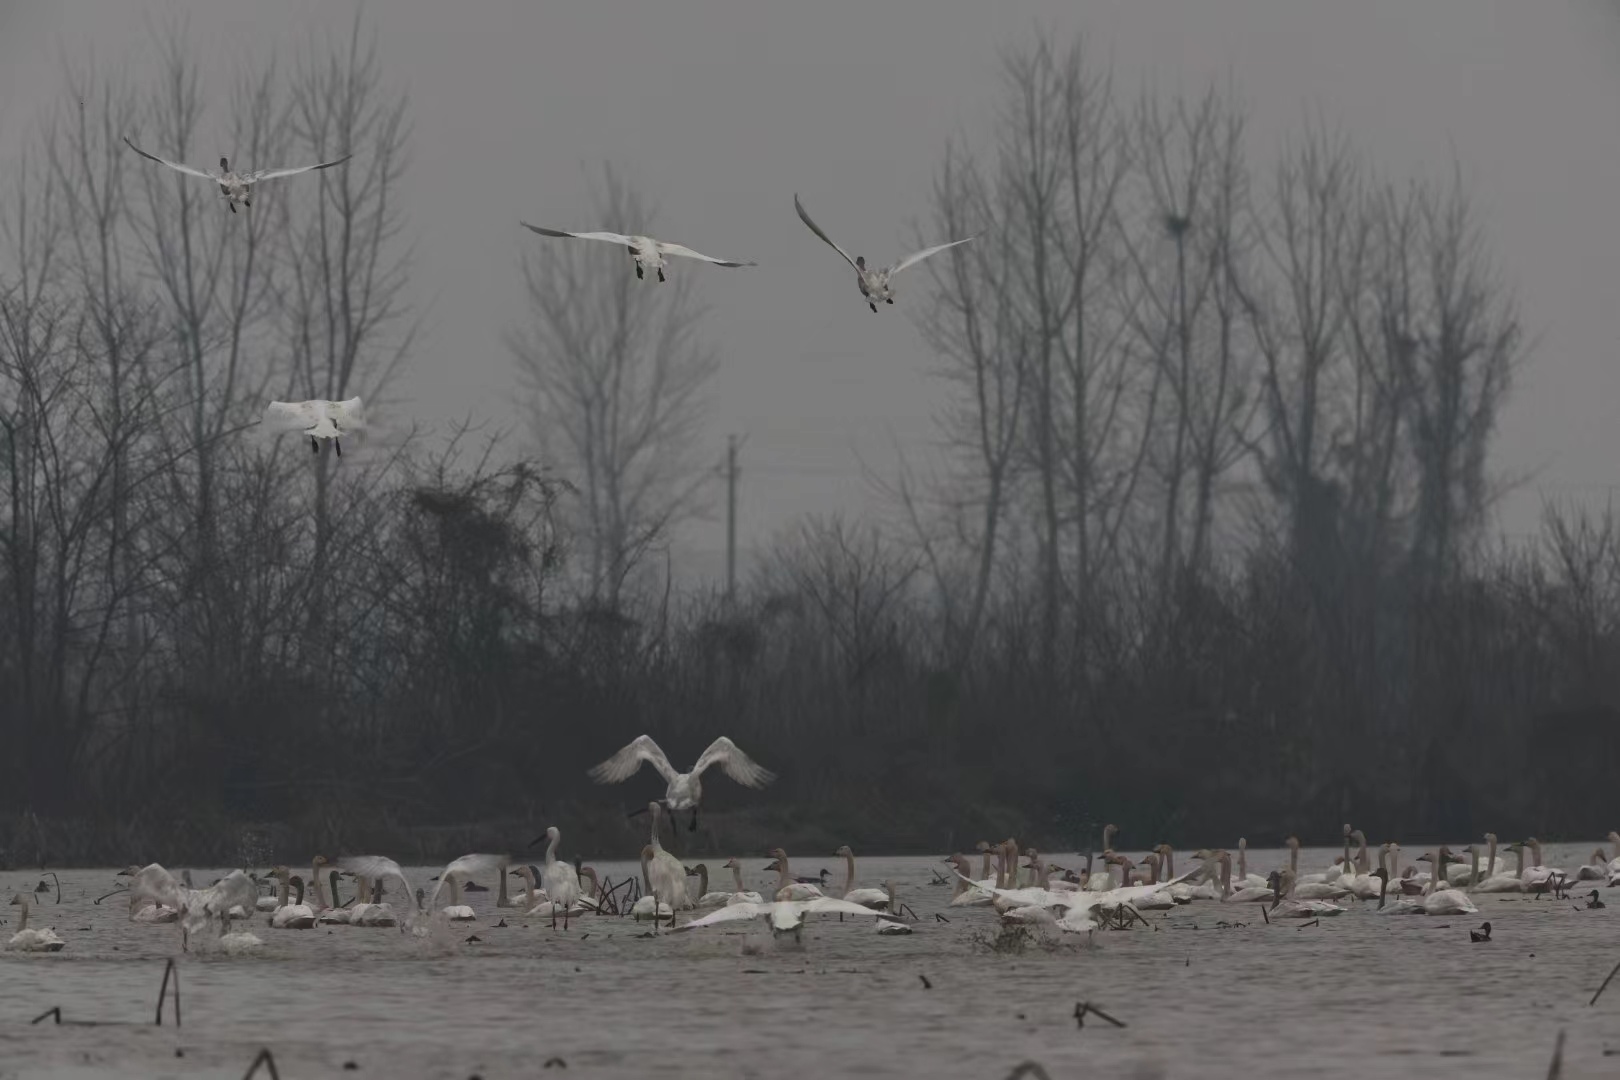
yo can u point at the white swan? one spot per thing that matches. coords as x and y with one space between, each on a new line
872 898
648 253
685 789
786 916
290 916
661 872
235 186
969 893
874 284
319 419
27 940
560 880
1244 878
1462 874
154 895
369 872
450 878
1507 880
1439 899
786 887
1539 878
646 907
1285 905
741 896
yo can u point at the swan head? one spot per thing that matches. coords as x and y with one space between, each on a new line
1243 844
1347 828
1203 854
860 261
844 853
731 864
20 900
224 165
280 873
318 861
1292 843
984 845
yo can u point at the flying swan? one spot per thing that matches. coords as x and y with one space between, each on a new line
235 186
319 419
647 252
874 284
685 789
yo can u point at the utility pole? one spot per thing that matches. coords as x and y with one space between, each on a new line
732 443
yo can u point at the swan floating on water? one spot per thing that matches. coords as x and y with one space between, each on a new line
26 940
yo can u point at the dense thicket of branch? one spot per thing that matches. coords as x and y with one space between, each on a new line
1206 559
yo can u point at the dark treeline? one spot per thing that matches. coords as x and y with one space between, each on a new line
1206 555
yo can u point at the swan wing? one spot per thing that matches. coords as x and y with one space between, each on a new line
734 763
347 414
732 913
609 237
918 256
826 905
374 868
804 217
468 865
292 415
271 174
154 883
175 165
622 766
682 249
229 891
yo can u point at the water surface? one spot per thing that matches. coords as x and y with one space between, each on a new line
1409 994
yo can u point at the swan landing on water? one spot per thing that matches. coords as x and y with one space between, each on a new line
685 789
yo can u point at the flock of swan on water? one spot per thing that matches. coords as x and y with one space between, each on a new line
320 419
1110 889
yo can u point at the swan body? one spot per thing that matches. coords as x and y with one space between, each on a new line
236 187
291 916
26 940
684 790
647 252
317 419
871 898
876 284
560 880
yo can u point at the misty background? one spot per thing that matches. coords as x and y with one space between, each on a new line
1268 420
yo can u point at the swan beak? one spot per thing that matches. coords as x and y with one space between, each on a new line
631 814
535 841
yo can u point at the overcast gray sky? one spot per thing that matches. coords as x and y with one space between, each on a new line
721 109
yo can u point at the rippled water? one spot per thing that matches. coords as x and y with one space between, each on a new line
1410 994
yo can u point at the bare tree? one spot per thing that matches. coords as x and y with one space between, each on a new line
343 301
617 369
1458 373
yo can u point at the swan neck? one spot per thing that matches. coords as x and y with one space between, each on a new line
455 890
281 892
736 875
317 886
849 873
